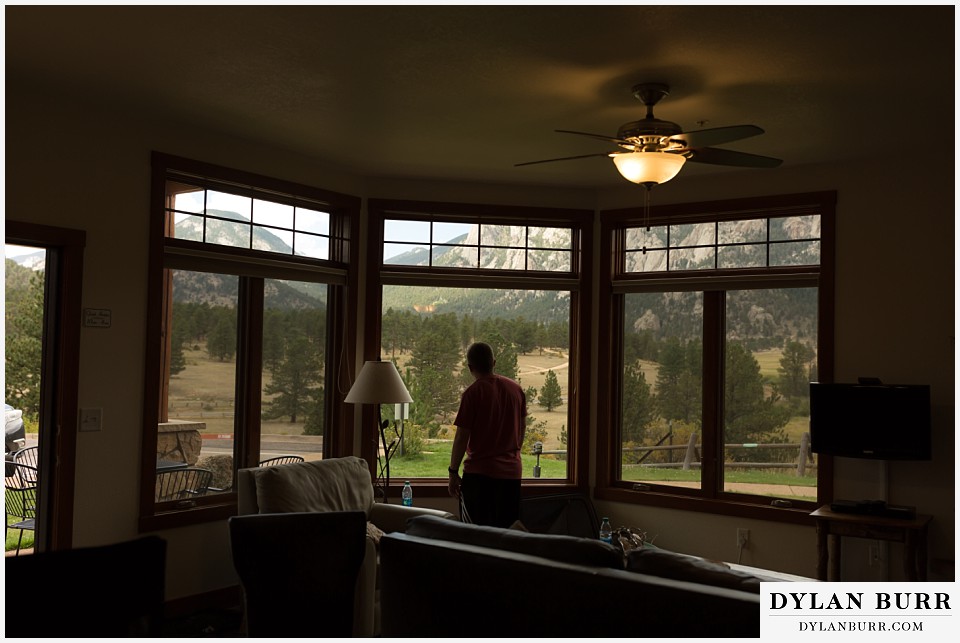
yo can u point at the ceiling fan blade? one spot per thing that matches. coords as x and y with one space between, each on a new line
563 158
715 156
717 135
610 139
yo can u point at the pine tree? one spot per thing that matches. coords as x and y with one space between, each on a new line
293 380
550 394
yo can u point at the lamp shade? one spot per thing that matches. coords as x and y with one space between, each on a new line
648 167
378 383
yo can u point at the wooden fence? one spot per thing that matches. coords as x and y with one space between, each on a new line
691 455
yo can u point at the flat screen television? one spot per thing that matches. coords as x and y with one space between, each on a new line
876 421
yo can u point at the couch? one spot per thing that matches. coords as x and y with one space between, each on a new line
449 579
333 484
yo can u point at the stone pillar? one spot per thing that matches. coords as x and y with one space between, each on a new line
179 441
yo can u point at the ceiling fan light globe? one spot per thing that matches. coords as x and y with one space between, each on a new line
648 167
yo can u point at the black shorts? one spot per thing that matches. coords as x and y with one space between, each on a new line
491 501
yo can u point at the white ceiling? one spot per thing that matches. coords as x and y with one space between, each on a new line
465 92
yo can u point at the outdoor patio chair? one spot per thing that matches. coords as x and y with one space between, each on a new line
20 500
183 484
280 459
28 456
299 571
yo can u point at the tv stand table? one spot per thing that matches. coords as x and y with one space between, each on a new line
912 532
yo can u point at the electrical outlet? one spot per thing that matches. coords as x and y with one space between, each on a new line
743 537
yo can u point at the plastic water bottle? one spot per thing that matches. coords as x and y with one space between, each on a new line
407 494
606 531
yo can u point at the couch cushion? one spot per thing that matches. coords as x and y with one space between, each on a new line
668 564
566 549
335 484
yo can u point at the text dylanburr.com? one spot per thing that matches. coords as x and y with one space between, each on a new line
841 611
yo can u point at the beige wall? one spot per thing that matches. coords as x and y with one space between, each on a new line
82 166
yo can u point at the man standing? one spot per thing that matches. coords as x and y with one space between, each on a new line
490 424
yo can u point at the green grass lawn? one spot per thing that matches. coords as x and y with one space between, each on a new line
14 534
435 459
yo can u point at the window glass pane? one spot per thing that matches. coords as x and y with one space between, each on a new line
503 258
785 228
273 214
455 233
649 261
223 204
750 256
552 260
455 256
187 226
415 231
770 359
503 235
797 253
640 238
550 237
692 259
661 416
294 359
312 221
186 198
273 240
311 245
693 234
202 362
749 231
426 331
228 233
405 254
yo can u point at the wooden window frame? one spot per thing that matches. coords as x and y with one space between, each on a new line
579 281
713 283
252 267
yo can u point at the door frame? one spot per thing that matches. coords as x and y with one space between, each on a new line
60 376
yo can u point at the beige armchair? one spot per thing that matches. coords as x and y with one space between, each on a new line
335 484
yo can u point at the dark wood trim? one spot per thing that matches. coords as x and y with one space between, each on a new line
62 337
250 183
711 438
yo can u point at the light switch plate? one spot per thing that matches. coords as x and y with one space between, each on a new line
91 419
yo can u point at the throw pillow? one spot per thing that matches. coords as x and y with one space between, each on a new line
565 549
668 564
374 533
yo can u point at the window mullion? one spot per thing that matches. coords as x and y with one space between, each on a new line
249 372
713 361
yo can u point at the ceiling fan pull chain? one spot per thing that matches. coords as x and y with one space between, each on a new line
646 205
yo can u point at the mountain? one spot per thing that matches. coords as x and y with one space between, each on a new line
36 260
221 290
503 250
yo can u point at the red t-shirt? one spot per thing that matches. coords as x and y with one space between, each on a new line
494 410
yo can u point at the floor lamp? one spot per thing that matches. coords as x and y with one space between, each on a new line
378 382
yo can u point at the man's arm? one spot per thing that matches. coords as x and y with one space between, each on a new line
459 448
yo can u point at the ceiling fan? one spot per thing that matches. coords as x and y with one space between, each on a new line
653 151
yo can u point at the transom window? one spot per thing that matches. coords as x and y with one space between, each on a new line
742 243
453 244
219 217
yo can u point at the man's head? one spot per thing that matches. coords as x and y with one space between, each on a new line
480 359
